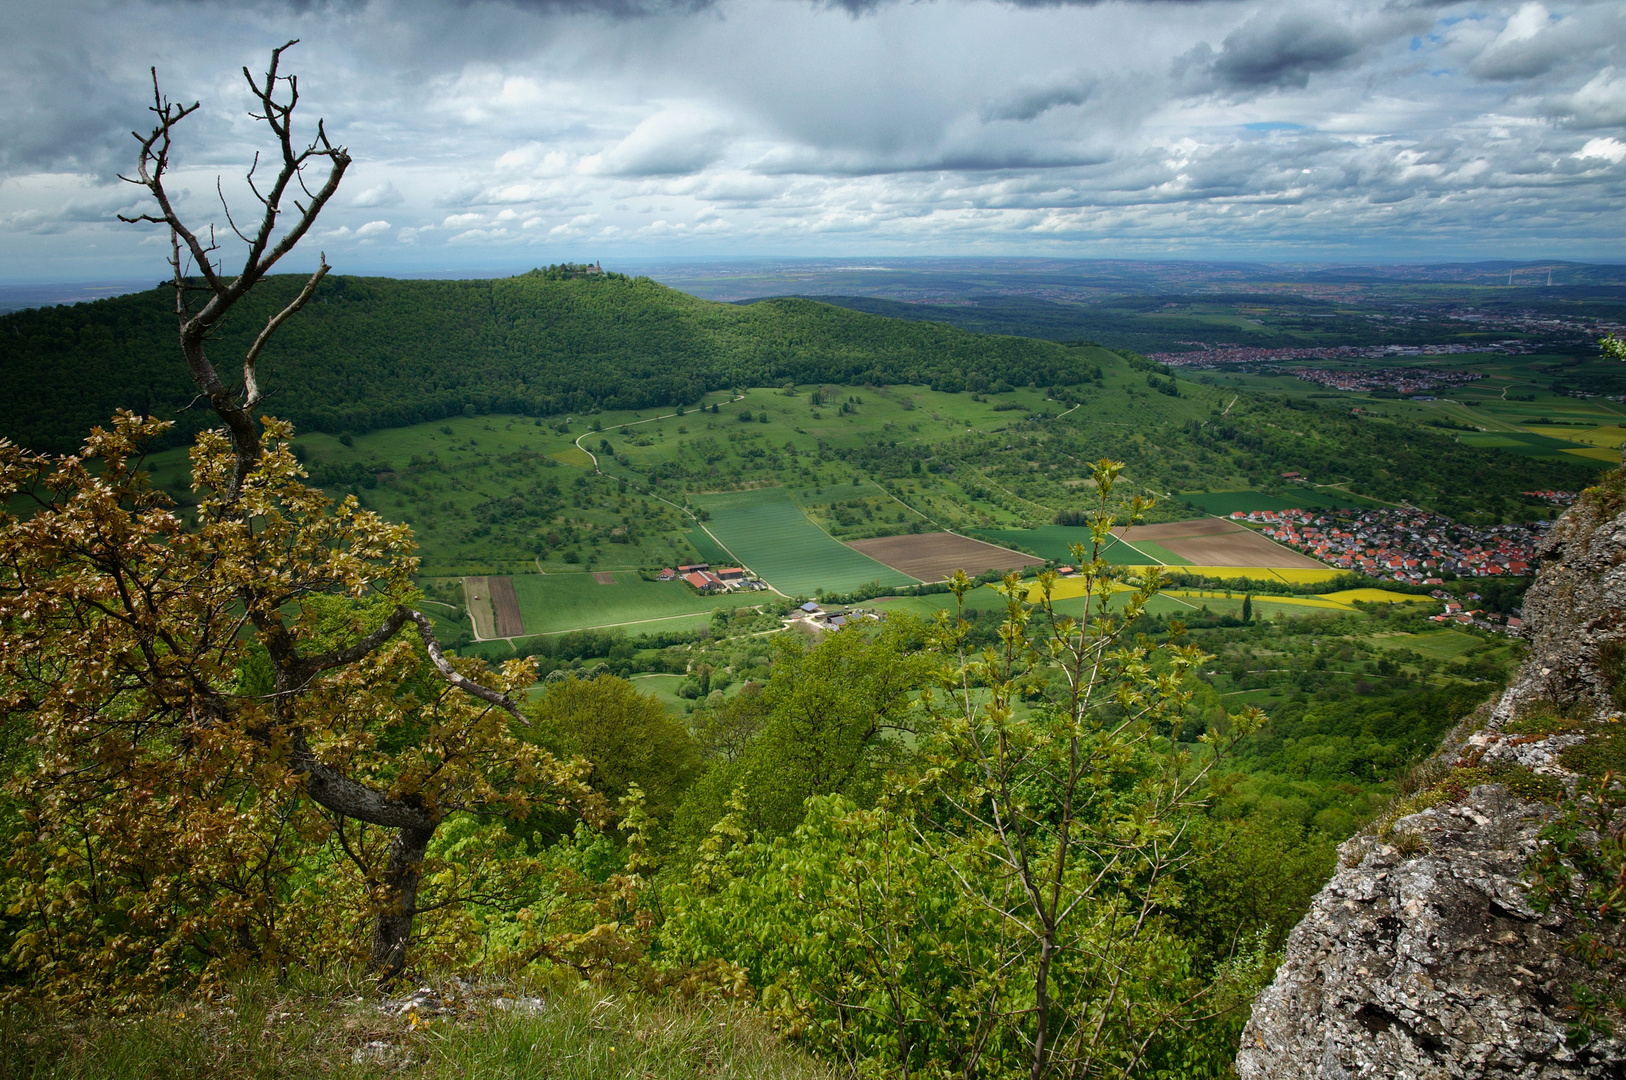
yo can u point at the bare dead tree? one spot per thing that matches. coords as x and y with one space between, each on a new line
265 247
288 207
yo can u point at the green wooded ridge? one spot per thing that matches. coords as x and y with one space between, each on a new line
378 352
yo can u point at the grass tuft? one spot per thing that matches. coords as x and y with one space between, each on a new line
334 1028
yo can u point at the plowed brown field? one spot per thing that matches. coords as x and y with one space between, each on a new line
935 556
1217 542
493 607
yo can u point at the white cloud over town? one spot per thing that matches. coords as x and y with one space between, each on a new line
497 135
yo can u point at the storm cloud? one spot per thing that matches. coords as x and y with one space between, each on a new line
507 133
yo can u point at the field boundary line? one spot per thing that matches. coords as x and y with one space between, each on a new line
1138 551
918 513
984 474
849 547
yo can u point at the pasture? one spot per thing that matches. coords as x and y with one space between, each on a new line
935 556
767 532
555 603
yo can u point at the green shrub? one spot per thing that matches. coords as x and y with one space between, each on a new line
1602 752
1612 665
1516 778
1541 719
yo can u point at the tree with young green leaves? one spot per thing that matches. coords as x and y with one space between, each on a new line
628 739
832 719
1007 908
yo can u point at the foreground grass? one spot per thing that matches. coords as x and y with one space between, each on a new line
335 1029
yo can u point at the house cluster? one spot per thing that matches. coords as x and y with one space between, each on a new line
1486 620
1208 356
1404 380
1403 545
706 580
1557 498
814 617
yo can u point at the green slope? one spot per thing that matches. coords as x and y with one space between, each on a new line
375 352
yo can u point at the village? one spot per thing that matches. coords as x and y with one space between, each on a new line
1412 546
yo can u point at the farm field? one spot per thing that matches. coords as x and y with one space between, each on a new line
477 598
1054 543
1340 601
709 550
985 598
555 603
493 607
1211 541
1291 575
1523 443
1611 437
767 532
935 556
1155 551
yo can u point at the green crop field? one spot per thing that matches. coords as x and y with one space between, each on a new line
709 550
768 532
552 603
1157 551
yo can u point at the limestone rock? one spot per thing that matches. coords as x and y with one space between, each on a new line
1422 958
1432 965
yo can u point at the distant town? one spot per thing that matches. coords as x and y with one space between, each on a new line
1412 546
1204 355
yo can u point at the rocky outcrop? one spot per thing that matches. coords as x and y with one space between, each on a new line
1423 957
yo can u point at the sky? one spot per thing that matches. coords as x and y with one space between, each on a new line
495 135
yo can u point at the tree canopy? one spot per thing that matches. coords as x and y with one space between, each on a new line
375 352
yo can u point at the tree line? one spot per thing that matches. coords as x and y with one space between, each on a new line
376 353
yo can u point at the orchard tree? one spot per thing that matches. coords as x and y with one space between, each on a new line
200 708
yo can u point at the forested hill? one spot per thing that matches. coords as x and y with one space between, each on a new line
379 352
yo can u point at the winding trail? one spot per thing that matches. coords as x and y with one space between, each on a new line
635 423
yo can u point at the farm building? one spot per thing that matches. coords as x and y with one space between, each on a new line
704 581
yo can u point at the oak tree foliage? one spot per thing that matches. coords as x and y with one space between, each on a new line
234 737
